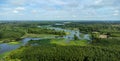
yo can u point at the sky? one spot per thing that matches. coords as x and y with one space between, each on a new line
59 9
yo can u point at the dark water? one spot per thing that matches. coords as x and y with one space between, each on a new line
5 47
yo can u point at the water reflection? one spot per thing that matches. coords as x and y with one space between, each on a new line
5 47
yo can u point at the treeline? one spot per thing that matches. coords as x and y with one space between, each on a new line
67 53
95 26
97 29
9 33
45 31
113 43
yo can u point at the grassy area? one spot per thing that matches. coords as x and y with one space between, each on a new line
14 43
67 33
40 42
64 42
4 54
39 35
9 40
82 35
61 42
1 41
115 35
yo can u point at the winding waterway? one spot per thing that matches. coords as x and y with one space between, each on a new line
6 47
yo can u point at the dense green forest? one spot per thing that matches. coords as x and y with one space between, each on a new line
67 53
103 46
46 51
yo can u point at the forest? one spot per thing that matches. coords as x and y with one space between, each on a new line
64 53
96 41
14 31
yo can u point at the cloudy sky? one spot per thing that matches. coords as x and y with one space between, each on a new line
59 9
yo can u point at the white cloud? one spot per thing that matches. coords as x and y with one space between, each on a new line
116 11
98 1
74 16
17 2
20 8
58 2
34 11
61 8
116 14
15 11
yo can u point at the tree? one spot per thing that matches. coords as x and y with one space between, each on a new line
76 37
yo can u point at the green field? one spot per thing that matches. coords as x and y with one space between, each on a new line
39 36
115 34
14 43
4 54
61 42
64 42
